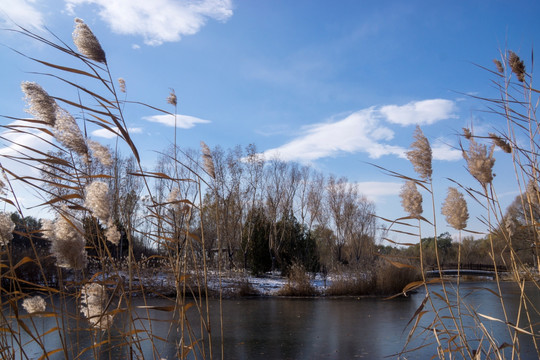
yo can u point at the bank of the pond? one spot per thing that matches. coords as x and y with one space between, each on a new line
238 285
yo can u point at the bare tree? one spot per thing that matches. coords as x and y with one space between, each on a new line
226 196
362 240
303 192
315 201
251 194
282 180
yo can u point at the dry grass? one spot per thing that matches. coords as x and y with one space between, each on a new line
384 279
299 283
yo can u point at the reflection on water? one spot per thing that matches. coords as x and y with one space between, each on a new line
277 328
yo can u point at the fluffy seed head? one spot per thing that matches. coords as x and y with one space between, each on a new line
174 195
510 225
208 160
517 66
455 209
67 244
6 228
171 99
421 155
34 304
122 84
411 199
501 143
101 153
112 234
533 192
97 199
2 188
40 104
479 162
93 301
499 66
67 132
87 43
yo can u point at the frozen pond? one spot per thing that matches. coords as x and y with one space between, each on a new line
290 328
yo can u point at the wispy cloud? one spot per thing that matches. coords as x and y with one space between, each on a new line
425 112
359 132
158 21
181 121
105 133
365 131
21 12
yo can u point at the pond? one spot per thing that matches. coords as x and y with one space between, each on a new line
297 328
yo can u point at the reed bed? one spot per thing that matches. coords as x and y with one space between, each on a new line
456 329
92 281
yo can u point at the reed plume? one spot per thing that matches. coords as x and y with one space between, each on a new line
67 244
101 153
479 162
87 43
93 300
68 133
6 228
34 304
517 65
411 199
112 234
455 209
122 84
421 155
40 104
467 133
501 143
208 160
533 192
172 99
510 225
499 66
97 199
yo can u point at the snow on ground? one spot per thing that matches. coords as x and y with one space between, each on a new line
162 282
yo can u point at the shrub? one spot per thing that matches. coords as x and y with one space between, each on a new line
299 283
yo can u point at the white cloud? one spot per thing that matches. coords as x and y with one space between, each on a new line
374 190
105 133
443 151
425 112
21 12
13 141
359 132
181 121
364 131
158 21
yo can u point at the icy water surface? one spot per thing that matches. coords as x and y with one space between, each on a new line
289 328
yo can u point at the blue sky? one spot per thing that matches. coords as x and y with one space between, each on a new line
334 84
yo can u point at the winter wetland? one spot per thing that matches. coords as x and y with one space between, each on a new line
120 240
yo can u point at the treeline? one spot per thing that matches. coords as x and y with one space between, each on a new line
252 213
470 252
268 214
